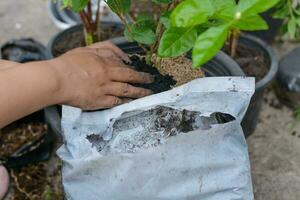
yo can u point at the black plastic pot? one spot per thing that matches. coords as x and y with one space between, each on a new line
251 118
287 85
34 151
220 65
78 30
274 28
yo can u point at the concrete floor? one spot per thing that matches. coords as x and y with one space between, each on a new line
25 18
274 151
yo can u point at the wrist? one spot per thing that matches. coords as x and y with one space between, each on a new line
58 73
48 80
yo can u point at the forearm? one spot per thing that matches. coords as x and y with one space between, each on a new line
4 64
86 78
26 88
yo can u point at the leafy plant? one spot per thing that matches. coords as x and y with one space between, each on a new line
289 12
224 19
203 26
90 20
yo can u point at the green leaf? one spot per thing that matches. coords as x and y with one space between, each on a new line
76 5
191 13
177 41
120 7
281 10
251 23
141 33
128 35
146 20
250 7
208 44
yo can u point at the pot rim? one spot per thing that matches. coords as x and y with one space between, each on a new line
272 56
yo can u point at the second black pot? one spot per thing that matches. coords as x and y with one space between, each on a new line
251 118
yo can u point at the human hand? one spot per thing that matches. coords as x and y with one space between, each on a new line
95 77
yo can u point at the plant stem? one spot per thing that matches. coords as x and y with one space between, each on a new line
158 62
148 57
160 30
85 20
97 21
91 27
234 37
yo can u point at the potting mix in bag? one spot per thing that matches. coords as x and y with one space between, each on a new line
186 143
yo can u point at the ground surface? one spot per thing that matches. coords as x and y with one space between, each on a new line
274 151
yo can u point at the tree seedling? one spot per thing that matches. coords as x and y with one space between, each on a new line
203 26
222 20
144 29
90 19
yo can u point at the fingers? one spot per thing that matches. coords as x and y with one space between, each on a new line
127 75
114 48
126 90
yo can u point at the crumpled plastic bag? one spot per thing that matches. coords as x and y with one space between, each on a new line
186 143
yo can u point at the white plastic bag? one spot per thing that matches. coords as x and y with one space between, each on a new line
186 143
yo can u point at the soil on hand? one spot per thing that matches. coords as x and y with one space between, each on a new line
252 61
76 39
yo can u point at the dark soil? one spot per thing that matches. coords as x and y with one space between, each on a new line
162 83
75 39
252 61
16 135
36 182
